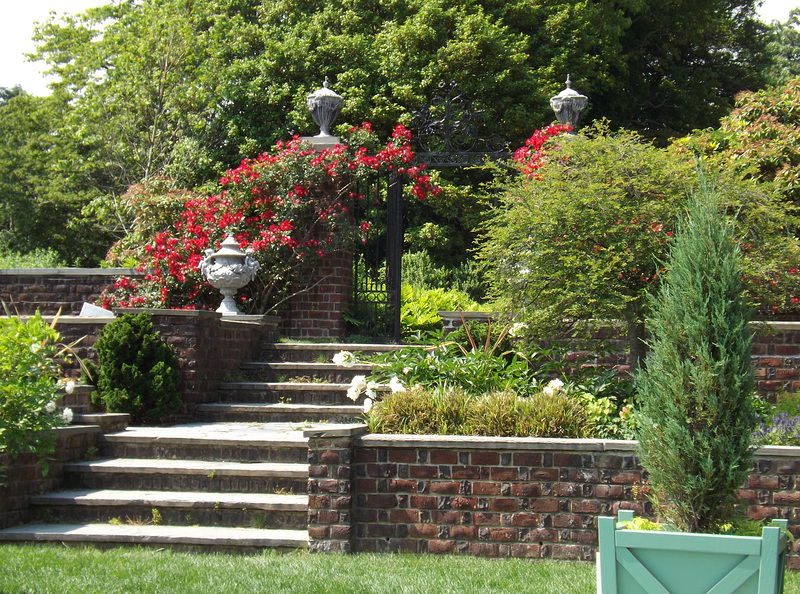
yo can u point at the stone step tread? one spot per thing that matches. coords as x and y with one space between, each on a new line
251 434
281 407
285 386
190 499
311 366
148 534
333 346
190 467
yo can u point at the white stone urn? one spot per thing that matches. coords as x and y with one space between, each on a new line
228 270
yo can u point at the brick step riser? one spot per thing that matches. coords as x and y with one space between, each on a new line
270 396
343 376
274 417
312 354
226 453
173 482
171 516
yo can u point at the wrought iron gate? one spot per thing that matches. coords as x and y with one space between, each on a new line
375 306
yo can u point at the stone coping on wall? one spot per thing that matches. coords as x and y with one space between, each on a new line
453 442
260 319
70 271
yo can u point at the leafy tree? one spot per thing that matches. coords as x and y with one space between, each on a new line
760 138
784 47
44 183
696 393
584 236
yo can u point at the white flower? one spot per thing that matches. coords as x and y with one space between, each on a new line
345 359
367 405
67 415
396 385
69 387
358 385
553 387
517 329
372 389
50 407
406 370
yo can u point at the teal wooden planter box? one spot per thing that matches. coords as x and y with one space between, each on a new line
655 562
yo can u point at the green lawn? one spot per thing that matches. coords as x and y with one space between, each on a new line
61 570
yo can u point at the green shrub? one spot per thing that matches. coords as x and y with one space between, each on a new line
38 258
29 388
452 411
697 415
420 271
420 308
788 403
138 372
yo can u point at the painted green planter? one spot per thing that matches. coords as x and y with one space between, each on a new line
655 562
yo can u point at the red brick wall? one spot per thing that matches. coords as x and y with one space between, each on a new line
207 345
24 477
319 311
497 497
51 289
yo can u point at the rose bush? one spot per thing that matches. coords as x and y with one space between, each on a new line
291 205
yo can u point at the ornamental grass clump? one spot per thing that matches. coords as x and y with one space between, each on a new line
696 413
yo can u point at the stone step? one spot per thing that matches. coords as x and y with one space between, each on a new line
188 475
257 510
274 371
301 351
236 442
206 538
283 412
286 392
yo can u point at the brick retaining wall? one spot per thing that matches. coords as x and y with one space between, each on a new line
24 477
25 290
207 344
496 497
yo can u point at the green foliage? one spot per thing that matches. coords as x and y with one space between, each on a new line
419 309
696 416
582 239
420 271
29 388
477 335
784 48
454 411
138 371
38 258
788 402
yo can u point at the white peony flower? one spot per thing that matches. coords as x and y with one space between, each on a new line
553 387
396 385
344 359
372 389
367 405
69 387
358 385
50 407
67 415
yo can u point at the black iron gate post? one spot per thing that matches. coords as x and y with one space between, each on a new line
394 250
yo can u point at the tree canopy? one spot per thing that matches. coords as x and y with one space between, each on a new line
185 89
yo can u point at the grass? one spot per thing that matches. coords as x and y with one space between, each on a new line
58 569
61 570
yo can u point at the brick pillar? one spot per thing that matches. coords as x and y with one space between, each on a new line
319 311
330 487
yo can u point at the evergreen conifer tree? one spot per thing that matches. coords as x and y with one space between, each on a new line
696 392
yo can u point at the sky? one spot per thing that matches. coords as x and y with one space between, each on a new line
16 30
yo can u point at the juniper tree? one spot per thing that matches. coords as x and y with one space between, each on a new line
696 391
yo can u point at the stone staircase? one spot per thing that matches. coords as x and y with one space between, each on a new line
234 480
293 383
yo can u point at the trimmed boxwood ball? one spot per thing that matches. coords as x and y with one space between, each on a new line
138 372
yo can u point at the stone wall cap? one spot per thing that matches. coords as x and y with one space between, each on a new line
336 431
257 319
487 443
71 272
78 430
775 451
178 313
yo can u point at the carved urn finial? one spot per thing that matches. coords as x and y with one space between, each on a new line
569 106
325 106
